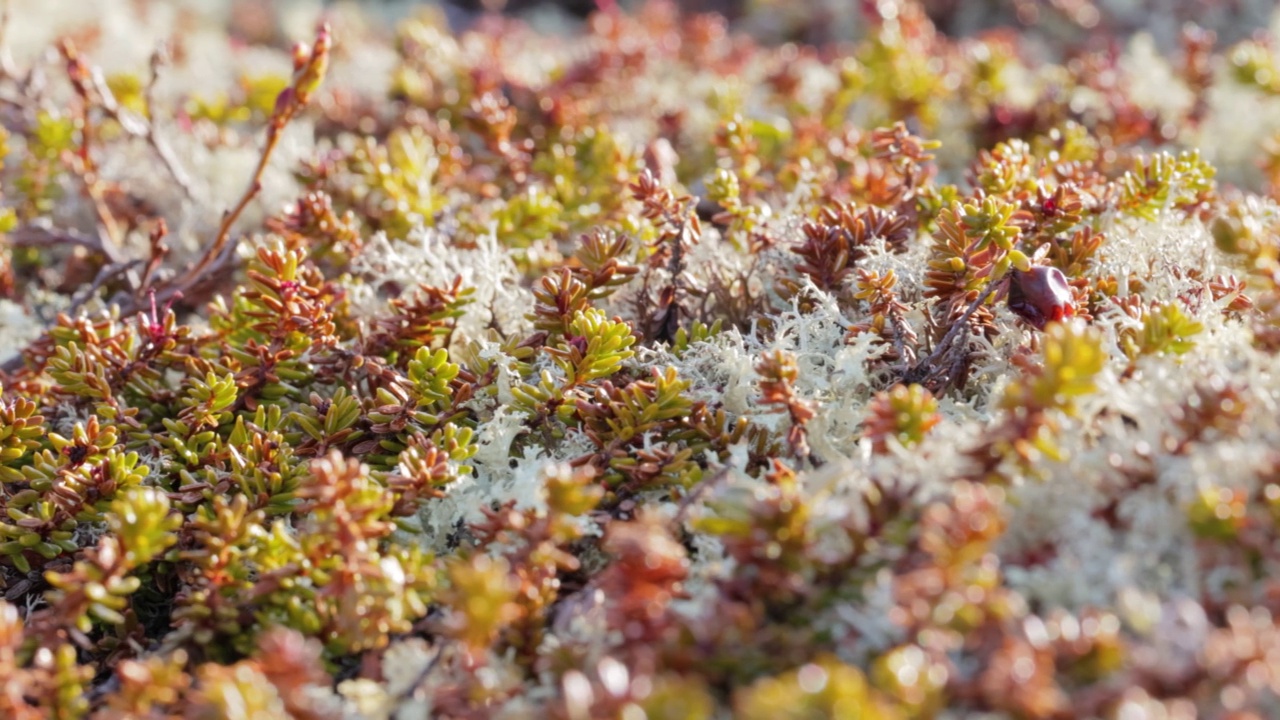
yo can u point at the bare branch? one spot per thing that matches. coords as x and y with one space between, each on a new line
104 276
144 127
922 370
310 65
48 236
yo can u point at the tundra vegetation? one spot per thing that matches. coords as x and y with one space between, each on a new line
650 370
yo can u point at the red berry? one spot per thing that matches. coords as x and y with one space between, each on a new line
1041 295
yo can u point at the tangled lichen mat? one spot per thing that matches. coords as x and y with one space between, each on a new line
892 360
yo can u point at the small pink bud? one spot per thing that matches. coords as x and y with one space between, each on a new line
283 102
1040 296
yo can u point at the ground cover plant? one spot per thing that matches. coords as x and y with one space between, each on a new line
644 369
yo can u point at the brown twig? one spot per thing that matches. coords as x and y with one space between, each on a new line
309 69
923 369
702 488
902 331
104 275
310 65
145 127
423 674
91 85
158 250
41 236
81 161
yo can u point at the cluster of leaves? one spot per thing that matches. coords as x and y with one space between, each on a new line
550 396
